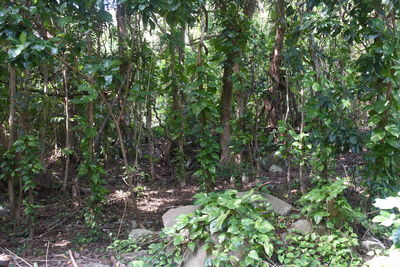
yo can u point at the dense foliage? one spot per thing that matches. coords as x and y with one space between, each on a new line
214 91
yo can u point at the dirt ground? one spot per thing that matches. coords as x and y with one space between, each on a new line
61 235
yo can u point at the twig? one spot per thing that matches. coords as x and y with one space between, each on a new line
18 257
39 260
122 219
60 222
72 258
262 185
47 252
345 170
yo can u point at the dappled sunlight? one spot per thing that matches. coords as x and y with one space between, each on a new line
118 196
62 243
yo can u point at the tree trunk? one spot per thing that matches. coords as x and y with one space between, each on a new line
278 89
231 65
226 109
150 140
178 121
12 137
67 129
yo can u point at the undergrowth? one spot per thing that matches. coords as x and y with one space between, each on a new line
241 230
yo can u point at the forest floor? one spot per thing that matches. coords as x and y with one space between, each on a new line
61 234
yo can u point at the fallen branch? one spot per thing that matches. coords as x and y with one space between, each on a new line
47 252
72 258
16 256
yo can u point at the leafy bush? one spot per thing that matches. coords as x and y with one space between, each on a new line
22 162
125 246
240 231
328 203
315 250
226 223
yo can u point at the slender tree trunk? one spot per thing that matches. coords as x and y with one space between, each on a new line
125 70
226 109
178 118
67 129
12 137
301 176
90 105
275 72
177 56
45 111
150 140
256 145
231 66
90 112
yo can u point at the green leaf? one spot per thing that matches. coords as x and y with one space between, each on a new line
216 225
22 37
253 255
15 52
317 87
54 50
38 47
393 142
108 79
380 106
377 135
263 226
137 264
247 222
281 258
353 140
318 217
393 130
169 231
191 246
267 245
396 237
178 239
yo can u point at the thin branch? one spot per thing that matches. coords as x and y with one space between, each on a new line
56 94
16 256
72 258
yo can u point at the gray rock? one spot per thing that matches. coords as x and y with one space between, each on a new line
278 206
272 159
3 211
169 218
199 256
372 244
275 169
196 258
303 226
5 259
138 233
128 257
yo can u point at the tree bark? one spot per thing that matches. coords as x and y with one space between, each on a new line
67 129
231 65
12 136
178 119
150 139
226 110
278 88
